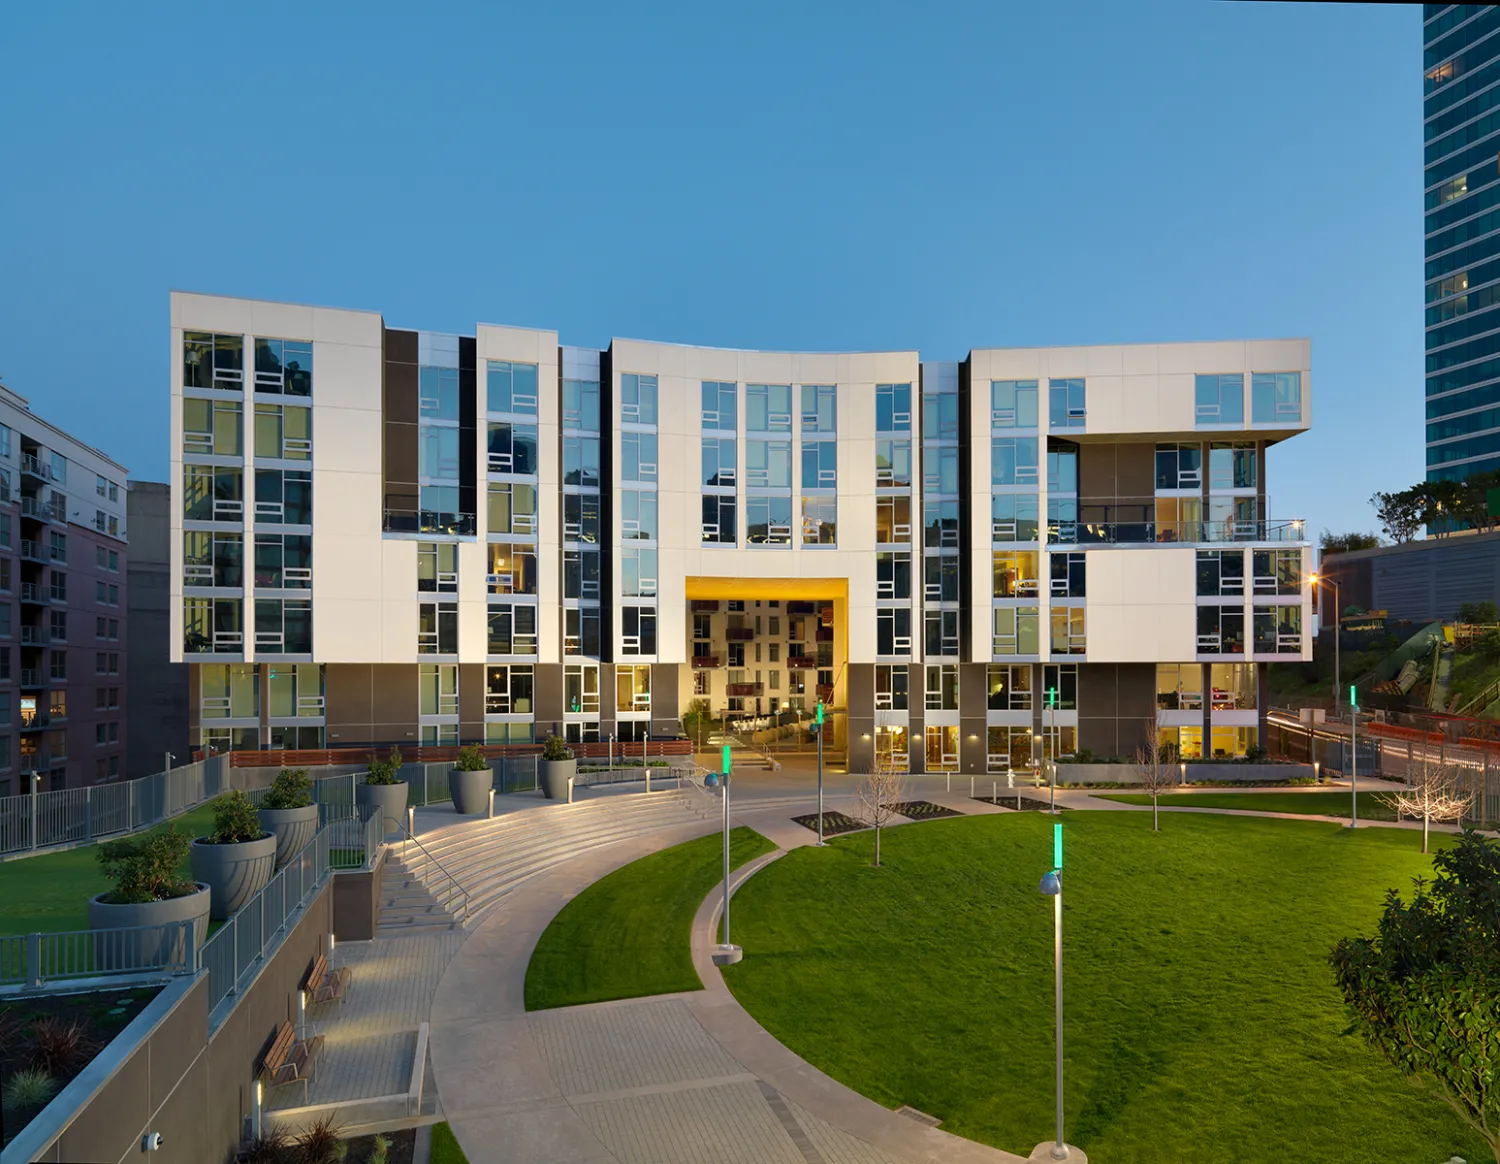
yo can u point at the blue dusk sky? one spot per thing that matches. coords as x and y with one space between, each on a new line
776 175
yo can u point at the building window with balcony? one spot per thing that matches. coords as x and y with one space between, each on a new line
1276 398
1221 630
1009 687
1068 630
1179 519
1278 629
213 361
283 432
512 629
1066 403
638 630
1015 630
512 388
437 628
1220 399
284 366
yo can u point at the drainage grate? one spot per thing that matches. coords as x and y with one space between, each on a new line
921 1117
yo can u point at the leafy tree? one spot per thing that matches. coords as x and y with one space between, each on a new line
1479 613
1346 543
1425 992
1400 513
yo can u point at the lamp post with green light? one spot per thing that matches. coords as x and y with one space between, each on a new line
1051 886
817 731
1052 743
1353 759
726 953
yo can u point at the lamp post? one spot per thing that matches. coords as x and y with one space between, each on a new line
1052 743
726 953
817 730
1051 886
1353 761
1322 580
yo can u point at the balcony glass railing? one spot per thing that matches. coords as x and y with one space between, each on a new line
1085 533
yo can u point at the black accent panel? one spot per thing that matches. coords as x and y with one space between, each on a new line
607 506
468 405
968 600
399 393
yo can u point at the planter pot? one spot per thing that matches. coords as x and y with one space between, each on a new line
292 828
145 949
553 776
471 790
388 799
233 873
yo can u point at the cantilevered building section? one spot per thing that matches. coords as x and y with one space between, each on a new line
390 536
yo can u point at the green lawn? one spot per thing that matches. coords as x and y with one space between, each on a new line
51 891
1201 1013
445 1149
629 934
1372 805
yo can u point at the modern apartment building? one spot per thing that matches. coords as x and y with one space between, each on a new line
1461 119
62 606
393 536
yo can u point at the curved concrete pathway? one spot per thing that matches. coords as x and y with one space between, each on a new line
669 1079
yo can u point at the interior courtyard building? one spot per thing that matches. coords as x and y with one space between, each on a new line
393 536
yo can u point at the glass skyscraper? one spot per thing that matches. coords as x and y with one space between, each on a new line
1461 159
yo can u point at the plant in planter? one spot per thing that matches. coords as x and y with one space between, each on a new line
288 813
149 891
383 790
470 781
235 860
556 769
322 1142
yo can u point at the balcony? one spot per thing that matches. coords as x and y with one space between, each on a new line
801 662
739 634
34 721
743 689
704 662
825 691
705 605
31 679
825 634
35 761
32 466
1150 532
31 551
34 636
36 594
801 606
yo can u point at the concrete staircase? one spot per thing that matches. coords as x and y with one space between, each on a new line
491 858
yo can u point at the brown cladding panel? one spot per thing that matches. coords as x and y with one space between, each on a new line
401 394
548 693
664 702
185 1113
394 693
1112 473
860 693
174 1045
401 346
401 455
1096 474
471 689
114 1114
973 733
349 708
1135 470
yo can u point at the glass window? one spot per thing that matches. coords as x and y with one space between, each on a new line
719 405
940 524
892 575
581 461
580 400
1278 629
213 361
1221 630
893 463
1179 519
1068 572
942 688
768 520
437 628
637 399
283 496
637 515
1014 461
893 631
893 520
1067 630
638 630
637 572
581 574
581 690
633 688
512 387
512 508
1062 469
580 516
820 465
1015 573
940 468
819 408
512 629
512 568
1009 687
1060 686
1015 630
1277 571
1013 517
768 408
940 578
512 448
1276 398
437 687
768 464
1065 404
283 366
1179 466
719 455
940 416
438 453
893 408
718 520
820 520
1220 399
438 393
1231 466
638 456
1013 403
1179 686
1233 686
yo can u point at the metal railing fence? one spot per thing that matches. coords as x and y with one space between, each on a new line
69 816
32 960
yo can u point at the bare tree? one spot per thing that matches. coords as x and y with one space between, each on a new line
1154 769
878 797
1434 792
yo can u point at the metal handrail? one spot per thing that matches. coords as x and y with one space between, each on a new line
458 888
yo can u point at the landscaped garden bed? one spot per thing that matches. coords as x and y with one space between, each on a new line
923 810
46 1040
1372 805
1023 803
834 823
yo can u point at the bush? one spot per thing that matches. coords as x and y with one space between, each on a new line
384 771
381 1151
1300 781
272 1146
291 789
59 1045
471 759
322 1143
145 868
234 820
555 748
30 1087
1084 756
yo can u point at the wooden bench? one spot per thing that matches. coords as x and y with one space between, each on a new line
325 986
290 1061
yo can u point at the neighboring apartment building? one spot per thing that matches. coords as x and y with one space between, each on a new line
157 716
1461 86
62 606
389 536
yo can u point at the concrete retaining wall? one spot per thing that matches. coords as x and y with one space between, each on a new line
1227 773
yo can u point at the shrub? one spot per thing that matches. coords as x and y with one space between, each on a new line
291 789
235 820
1300 781
272 1146
555 748
30 1087
322 1142
58 1045
471 759
1084 756
1255 754
145 868
381 1151
385 771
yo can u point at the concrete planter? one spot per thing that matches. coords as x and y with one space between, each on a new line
471 790
292 827
388 799
145 949
233 873
553 776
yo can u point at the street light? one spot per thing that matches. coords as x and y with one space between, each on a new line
726 953
817 730
1316 580
1051 886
